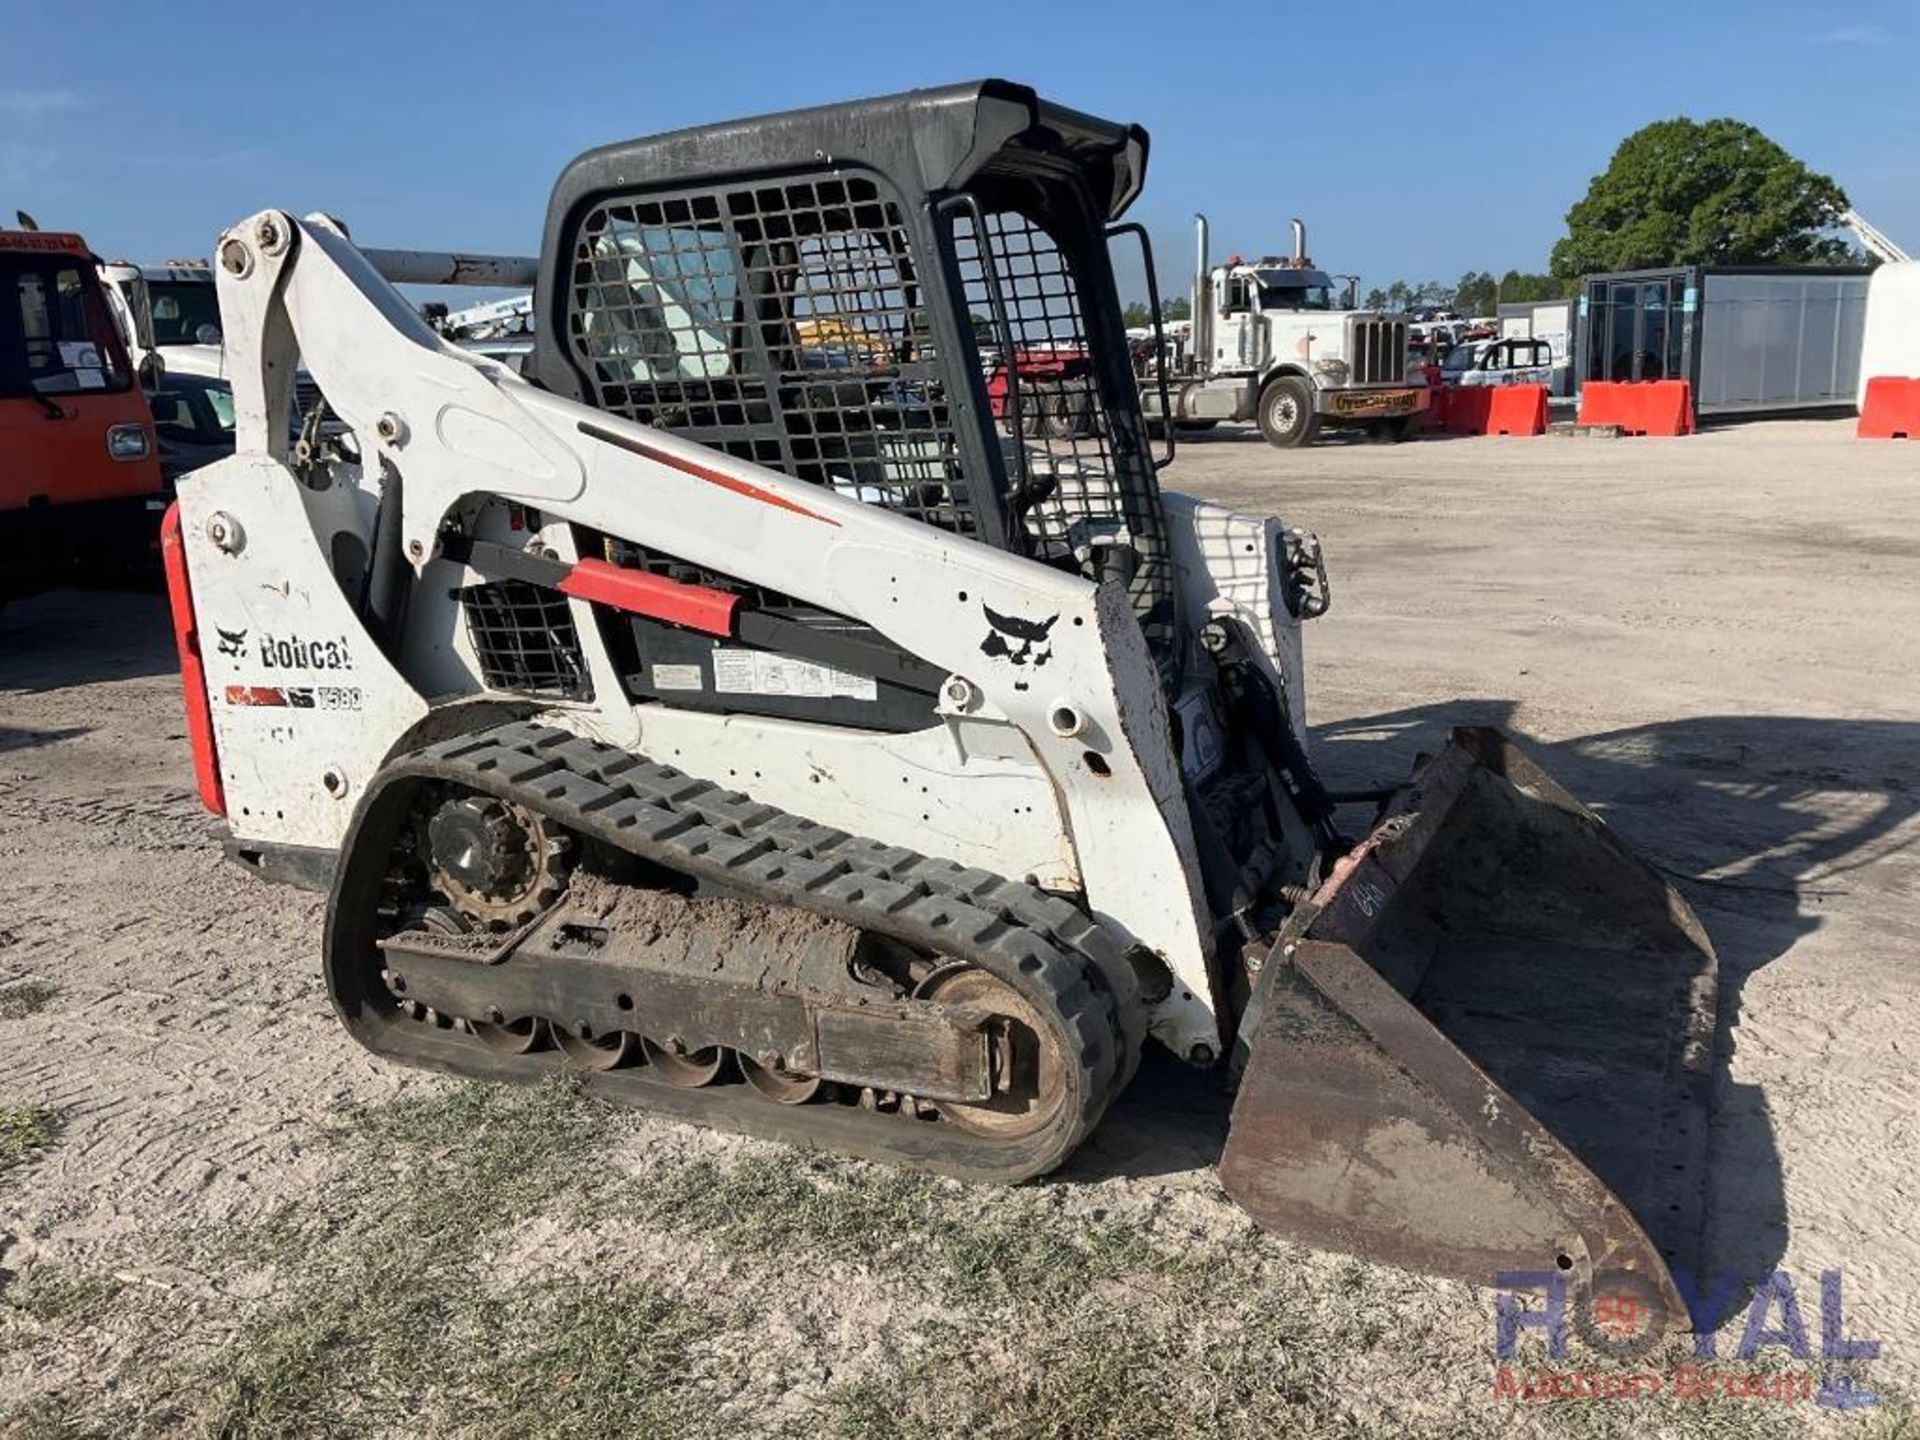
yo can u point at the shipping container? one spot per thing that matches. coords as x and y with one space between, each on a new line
1750 339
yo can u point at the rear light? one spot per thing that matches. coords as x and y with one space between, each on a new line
193 675
128 442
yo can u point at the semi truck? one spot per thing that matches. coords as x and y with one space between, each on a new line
1276 341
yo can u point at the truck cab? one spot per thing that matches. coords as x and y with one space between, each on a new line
171 311
1266 301
80 491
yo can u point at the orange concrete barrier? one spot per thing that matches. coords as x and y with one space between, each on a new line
1489 410
1518 410
1467 409
1434 416
1892 409
1639 407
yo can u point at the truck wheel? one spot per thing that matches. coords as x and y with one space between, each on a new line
1036 404
1286 413
1067 413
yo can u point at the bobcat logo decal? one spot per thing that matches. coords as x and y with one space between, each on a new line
1022 642
232 642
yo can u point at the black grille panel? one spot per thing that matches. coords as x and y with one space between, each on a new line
782 323
1379 354
524 638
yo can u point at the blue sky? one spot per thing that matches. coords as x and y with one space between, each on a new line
1417 140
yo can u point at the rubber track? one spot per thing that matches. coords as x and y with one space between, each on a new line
1058 920
694 826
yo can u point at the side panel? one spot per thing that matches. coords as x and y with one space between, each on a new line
305 706
1779 342
969 790
1230 564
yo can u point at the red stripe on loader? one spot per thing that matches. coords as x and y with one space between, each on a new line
695 606
703 472
256 695
193 675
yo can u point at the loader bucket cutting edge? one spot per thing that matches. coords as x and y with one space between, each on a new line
1491 1048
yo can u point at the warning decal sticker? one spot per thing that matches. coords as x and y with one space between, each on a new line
756 672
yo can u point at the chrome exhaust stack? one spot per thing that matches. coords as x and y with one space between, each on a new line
1201 342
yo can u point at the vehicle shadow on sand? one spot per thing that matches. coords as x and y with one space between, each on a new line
1757 819
75 637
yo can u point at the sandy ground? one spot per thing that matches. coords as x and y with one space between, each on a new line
1715 640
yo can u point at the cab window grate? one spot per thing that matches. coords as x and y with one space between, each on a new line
524 640
781 323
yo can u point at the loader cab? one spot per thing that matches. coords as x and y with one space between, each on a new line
831 293
80 486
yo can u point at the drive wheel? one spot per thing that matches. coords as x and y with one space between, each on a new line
1287 416
493 861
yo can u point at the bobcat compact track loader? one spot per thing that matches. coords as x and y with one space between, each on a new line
737 714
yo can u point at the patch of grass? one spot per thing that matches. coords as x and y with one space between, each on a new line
589 1360
1139 1373
390 1321
843 1211
409 1345
481 1156
23 1132
19 1001
393 1323
1896 1416
392 1315
61 1295
43 1419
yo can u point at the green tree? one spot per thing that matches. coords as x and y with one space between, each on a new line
1517 287
1475 294
1681 192
1376 299
1138 316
